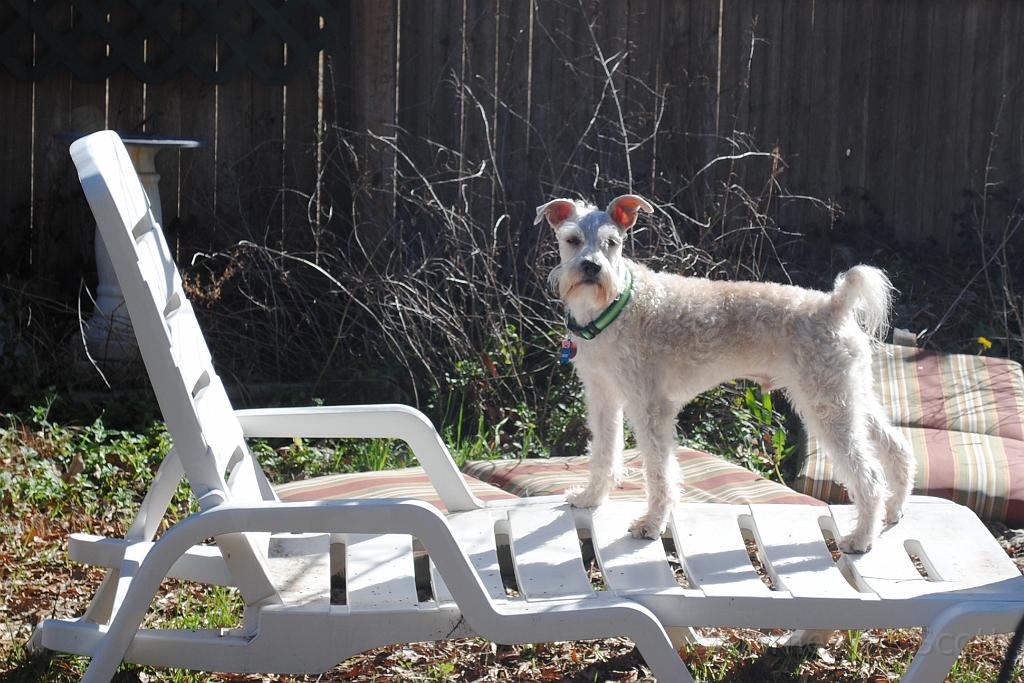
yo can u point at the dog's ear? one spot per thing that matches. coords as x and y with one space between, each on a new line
557 211
623 210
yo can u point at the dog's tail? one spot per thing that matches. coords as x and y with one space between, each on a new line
867 293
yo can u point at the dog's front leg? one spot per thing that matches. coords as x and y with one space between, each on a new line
655 428
604 417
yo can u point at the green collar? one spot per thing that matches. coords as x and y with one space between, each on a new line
607 316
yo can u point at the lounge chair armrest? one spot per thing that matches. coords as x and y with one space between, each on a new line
385 421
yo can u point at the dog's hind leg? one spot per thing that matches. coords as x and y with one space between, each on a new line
604 417
897 461
655 428
841 427
859 470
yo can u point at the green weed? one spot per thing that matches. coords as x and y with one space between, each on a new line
201 608
301 458
500 405
742 423
853 646
57 468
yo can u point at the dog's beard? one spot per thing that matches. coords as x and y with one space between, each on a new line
584 298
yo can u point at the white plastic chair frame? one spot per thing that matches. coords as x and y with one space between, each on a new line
279 554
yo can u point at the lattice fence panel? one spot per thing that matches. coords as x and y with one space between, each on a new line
194 37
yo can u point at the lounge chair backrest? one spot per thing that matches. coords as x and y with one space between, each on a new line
203 426
192 399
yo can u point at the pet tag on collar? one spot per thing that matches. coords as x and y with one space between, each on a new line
568 351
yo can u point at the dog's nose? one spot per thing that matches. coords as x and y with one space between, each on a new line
590 268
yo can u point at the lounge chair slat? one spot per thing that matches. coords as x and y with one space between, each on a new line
712 550
792 542
976 559
930 537
546 552
886 568
301 567
188 348
475 533
379 571
154 257
222 433
629 565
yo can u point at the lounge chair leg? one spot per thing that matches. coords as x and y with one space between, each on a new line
158 498
660 654
803 637
682 635
108 656
946 637
35 645
934 659
102 605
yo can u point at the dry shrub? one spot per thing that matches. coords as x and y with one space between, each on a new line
420 275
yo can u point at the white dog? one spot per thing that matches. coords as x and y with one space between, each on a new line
650 342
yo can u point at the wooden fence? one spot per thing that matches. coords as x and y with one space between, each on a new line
905 113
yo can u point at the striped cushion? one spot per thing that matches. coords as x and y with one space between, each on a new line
951 391
985 473
411 482
705 478
964 418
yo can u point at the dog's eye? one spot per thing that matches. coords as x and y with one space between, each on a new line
573 241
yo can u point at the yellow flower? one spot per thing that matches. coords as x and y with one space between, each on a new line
984 343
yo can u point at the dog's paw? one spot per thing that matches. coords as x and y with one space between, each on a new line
647 527
855 544
580 497
892 516
616 476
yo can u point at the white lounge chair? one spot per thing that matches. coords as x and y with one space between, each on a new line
281 555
